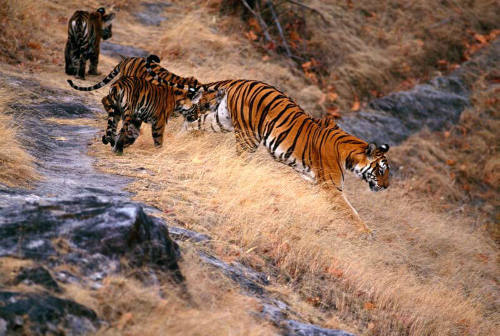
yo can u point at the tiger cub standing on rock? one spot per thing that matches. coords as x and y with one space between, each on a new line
137 100
85 31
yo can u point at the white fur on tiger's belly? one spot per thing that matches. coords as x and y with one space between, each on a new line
218 121
279 155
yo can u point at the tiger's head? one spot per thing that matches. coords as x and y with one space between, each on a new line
187 102
371 165
210 101
105 19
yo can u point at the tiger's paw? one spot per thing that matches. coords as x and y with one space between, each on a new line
106 139
118 149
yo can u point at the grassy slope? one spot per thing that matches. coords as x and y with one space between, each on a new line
428 272
16 165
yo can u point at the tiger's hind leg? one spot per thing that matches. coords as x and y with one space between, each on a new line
244 147
69 66
94 61
128 134
81 67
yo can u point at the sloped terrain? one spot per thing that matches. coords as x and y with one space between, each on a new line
251 248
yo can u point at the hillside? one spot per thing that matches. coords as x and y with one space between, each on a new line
263 251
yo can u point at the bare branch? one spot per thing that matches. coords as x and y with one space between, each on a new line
311 9
280 30
261 22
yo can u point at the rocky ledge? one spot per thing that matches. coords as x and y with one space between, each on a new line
93 234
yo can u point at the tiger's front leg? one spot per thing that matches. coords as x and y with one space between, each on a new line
339 198
113 118
128 134
157 130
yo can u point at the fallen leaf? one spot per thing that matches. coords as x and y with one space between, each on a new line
124 319
355 104
270 46
252 22
442 64
482 257
333 112
335 272
294 36
451 162
312 77
251 35
480 38
332 96
34 45
306 66
369 306
315 301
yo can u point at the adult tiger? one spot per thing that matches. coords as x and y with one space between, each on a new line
136 67
319 150
137 100
85 31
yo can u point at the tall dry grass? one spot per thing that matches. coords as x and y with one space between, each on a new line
462 173
364 50
16 165
208 304
425 273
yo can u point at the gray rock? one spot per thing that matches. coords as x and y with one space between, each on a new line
152 13
116 50
37 275
40 314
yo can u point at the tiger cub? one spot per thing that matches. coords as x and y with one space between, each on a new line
136 100
85 31
136 67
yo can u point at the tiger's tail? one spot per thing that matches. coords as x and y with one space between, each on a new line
111 75
154 59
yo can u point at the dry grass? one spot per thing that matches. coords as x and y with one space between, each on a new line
369 48
16 165
426 273
462 174
212 305
215 307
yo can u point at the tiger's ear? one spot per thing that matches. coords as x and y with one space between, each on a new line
220 94
370 150
109 17
153 59
384 148
197 96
